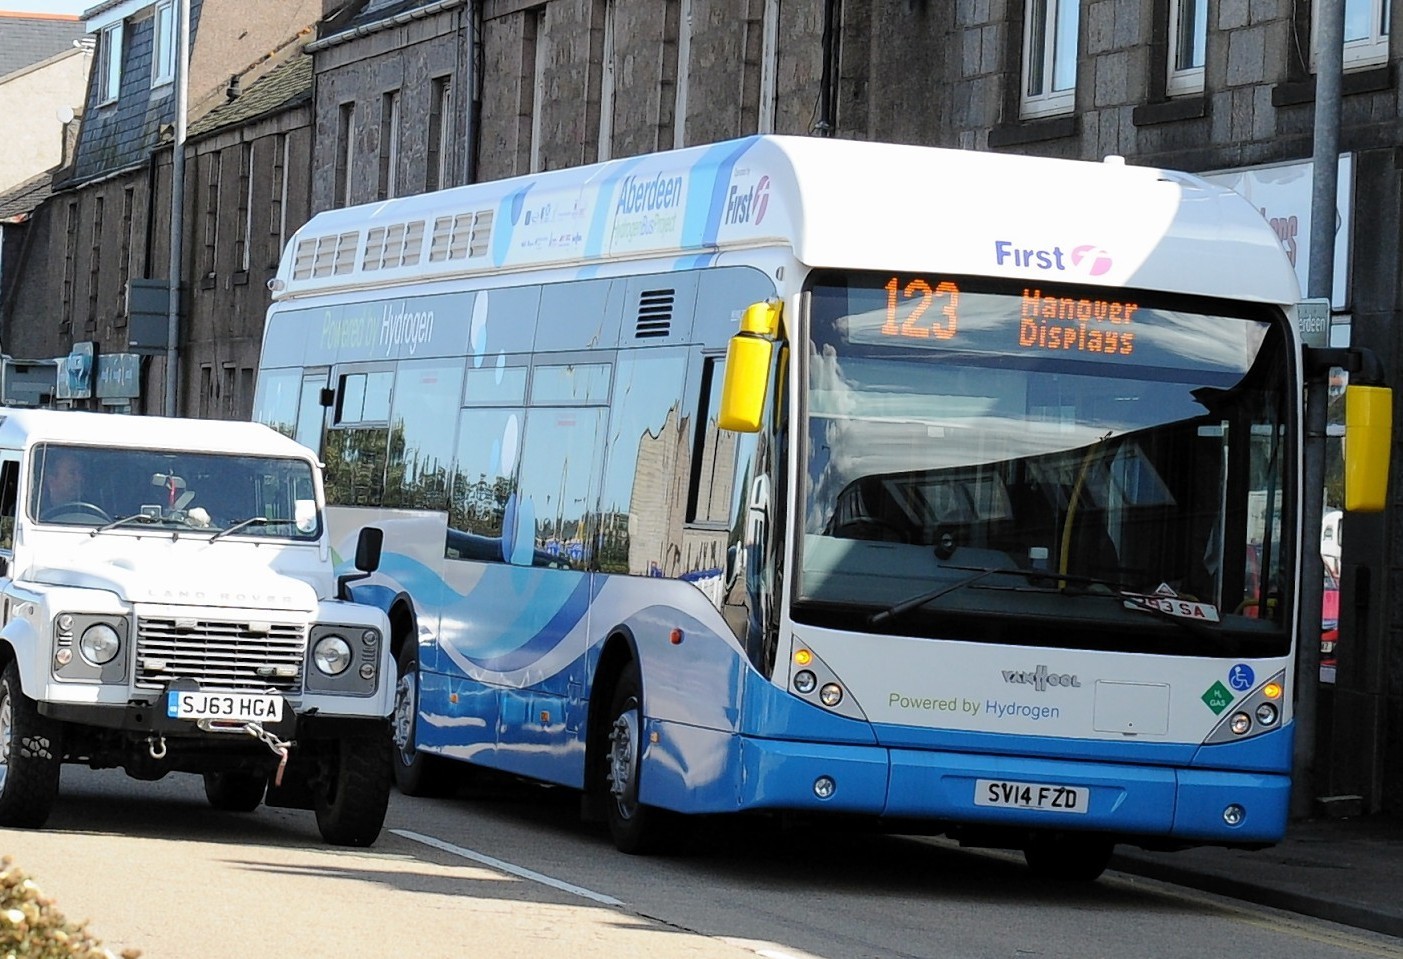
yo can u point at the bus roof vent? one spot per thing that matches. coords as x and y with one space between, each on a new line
464 236
329 255
390 246
654 313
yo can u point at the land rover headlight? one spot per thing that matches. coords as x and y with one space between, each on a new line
332 655
99 644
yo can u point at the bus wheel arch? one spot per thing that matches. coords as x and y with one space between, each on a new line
415 773
617 741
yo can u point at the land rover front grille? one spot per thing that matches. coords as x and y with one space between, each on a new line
220 654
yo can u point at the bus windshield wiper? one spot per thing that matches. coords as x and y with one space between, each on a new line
1089 583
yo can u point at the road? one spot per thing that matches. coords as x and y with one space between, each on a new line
505 870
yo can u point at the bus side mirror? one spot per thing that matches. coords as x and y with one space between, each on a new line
748 360
1368 440
368 547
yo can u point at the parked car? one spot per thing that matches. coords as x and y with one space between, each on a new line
1329 617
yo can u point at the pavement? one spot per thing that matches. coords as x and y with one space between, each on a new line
1344 870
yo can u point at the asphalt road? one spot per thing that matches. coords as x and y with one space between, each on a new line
505 870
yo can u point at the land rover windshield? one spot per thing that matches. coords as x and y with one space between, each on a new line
1045 465
111 488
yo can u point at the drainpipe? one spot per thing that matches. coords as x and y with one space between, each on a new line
182 98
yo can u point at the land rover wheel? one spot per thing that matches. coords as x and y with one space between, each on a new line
416 773
353 791
235 791
636 828
31 755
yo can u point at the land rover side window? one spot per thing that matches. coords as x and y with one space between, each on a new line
9 501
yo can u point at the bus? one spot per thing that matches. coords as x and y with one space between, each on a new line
950 492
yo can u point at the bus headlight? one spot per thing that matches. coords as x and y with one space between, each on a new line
332 655
99 644
1266 714
1240 723
805 681
831 694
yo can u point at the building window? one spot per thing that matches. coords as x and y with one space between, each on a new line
534 53
277 203
163 44
70 264
389 145
1365 32
606 83
241 244
124 256
213 163
345 153
769 66
440 132
1049 57
108 69
95 261
1188 36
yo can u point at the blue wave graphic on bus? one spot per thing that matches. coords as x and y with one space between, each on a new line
542 639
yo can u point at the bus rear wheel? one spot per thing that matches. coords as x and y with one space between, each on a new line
636 828
1067 857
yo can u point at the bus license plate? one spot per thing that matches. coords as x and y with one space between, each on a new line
237 707
996 792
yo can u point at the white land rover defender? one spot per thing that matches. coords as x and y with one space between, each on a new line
168 603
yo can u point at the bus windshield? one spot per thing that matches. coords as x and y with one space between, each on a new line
1068 467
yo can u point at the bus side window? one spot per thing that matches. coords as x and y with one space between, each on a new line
714 451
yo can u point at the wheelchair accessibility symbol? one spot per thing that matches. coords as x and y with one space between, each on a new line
1241 677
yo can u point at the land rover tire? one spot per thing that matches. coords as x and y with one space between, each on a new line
31 756
353 792
235 791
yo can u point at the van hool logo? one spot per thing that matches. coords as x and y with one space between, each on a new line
1039 678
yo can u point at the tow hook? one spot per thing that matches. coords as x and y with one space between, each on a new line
156 745
280 747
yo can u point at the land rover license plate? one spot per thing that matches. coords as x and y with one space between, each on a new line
235 707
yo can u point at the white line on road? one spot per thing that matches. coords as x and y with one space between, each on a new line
507 867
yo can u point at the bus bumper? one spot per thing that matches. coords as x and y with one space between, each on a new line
1189 804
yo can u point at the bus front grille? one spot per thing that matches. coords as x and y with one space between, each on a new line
220 654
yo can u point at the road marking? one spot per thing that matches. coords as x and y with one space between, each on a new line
502 866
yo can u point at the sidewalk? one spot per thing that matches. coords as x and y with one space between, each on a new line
1348 871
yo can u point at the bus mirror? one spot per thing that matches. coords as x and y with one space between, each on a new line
1368 440
748 359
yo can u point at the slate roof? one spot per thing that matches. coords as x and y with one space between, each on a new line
17 203
285 86
27 38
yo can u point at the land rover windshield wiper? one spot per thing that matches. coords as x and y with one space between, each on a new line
1067 583
250 521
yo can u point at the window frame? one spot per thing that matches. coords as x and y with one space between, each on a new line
1361 53
1047 101
1180 81
107 71
163 43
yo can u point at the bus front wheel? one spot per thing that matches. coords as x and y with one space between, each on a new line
635 828
1067 857
416 773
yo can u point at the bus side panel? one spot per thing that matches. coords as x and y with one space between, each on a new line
1205 794
458 718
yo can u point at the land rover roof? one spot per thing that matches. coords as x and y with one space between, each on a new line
20 428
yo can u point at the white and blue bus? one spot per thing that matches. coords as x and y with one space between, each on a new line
956 491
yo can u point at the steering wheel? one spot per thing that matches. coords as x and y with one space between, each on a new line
76 506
